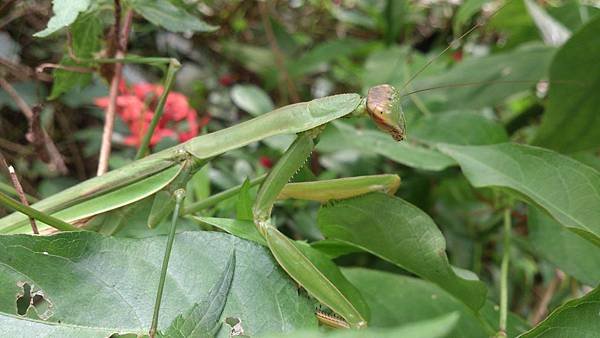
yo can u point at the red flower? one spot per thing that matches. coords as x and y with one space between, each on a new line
457 56
136 107
266 162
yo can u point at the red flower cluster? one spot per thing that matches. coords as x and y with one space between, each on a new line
136 107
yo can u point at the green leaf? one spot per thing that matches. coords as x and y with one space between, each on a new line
17 327
165 14
437 327
86 36
464 128
203 319
109 284
240 228
252 99
577 318
571 122
400 233
396 300
65 13
405 153
569 252
318 57
568 190
527 63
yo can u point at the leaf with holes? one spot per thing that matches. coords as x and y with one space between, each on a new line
109 284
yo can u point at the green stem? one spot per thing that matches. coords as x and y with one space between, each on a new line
179 196
223 195
504 273
38 215
174 65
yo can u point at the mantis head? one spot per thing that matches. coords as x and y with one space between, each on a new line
383 105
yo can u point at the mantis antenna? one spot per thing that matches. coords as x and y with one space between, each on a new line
475 83
450 45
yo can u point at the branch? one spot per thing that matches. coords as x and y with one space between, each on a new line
55 159
121 37
19 190
541 309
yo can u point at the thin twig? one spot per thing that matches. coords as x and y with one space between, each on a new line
76 69
541 309
279 57
109 118
56 160
21 194
23 72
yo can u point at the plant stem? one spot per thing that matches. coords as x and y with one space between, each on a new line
174 65
179 195
121 37
504 273
33 213
223 195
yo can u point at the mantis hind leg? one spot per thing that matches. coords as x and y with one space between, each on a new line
341 188
287 254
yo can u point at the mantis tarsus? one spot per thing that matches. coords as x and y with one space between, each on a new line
164 172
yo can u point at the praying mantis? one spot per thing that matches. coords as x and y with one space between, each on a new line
165 173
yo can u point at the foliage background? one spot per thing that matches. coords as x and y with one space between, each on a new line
266 55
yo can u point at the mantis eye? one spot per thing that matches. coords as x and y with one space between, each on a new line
383 105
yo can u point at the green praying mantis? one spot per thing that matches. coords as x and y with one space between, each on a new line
165 173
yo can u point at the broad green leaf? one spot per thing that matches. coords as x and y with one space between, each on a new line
396 300
65 13
465 128
569 252
320 55
202 320
576 318
109 284
571 120
86 34
240 228
437 327
528 64
252 99
17 327
566 189
169 16
405 152
400 233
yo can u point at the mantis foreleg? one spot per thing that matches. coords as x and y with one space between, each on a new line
291 259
